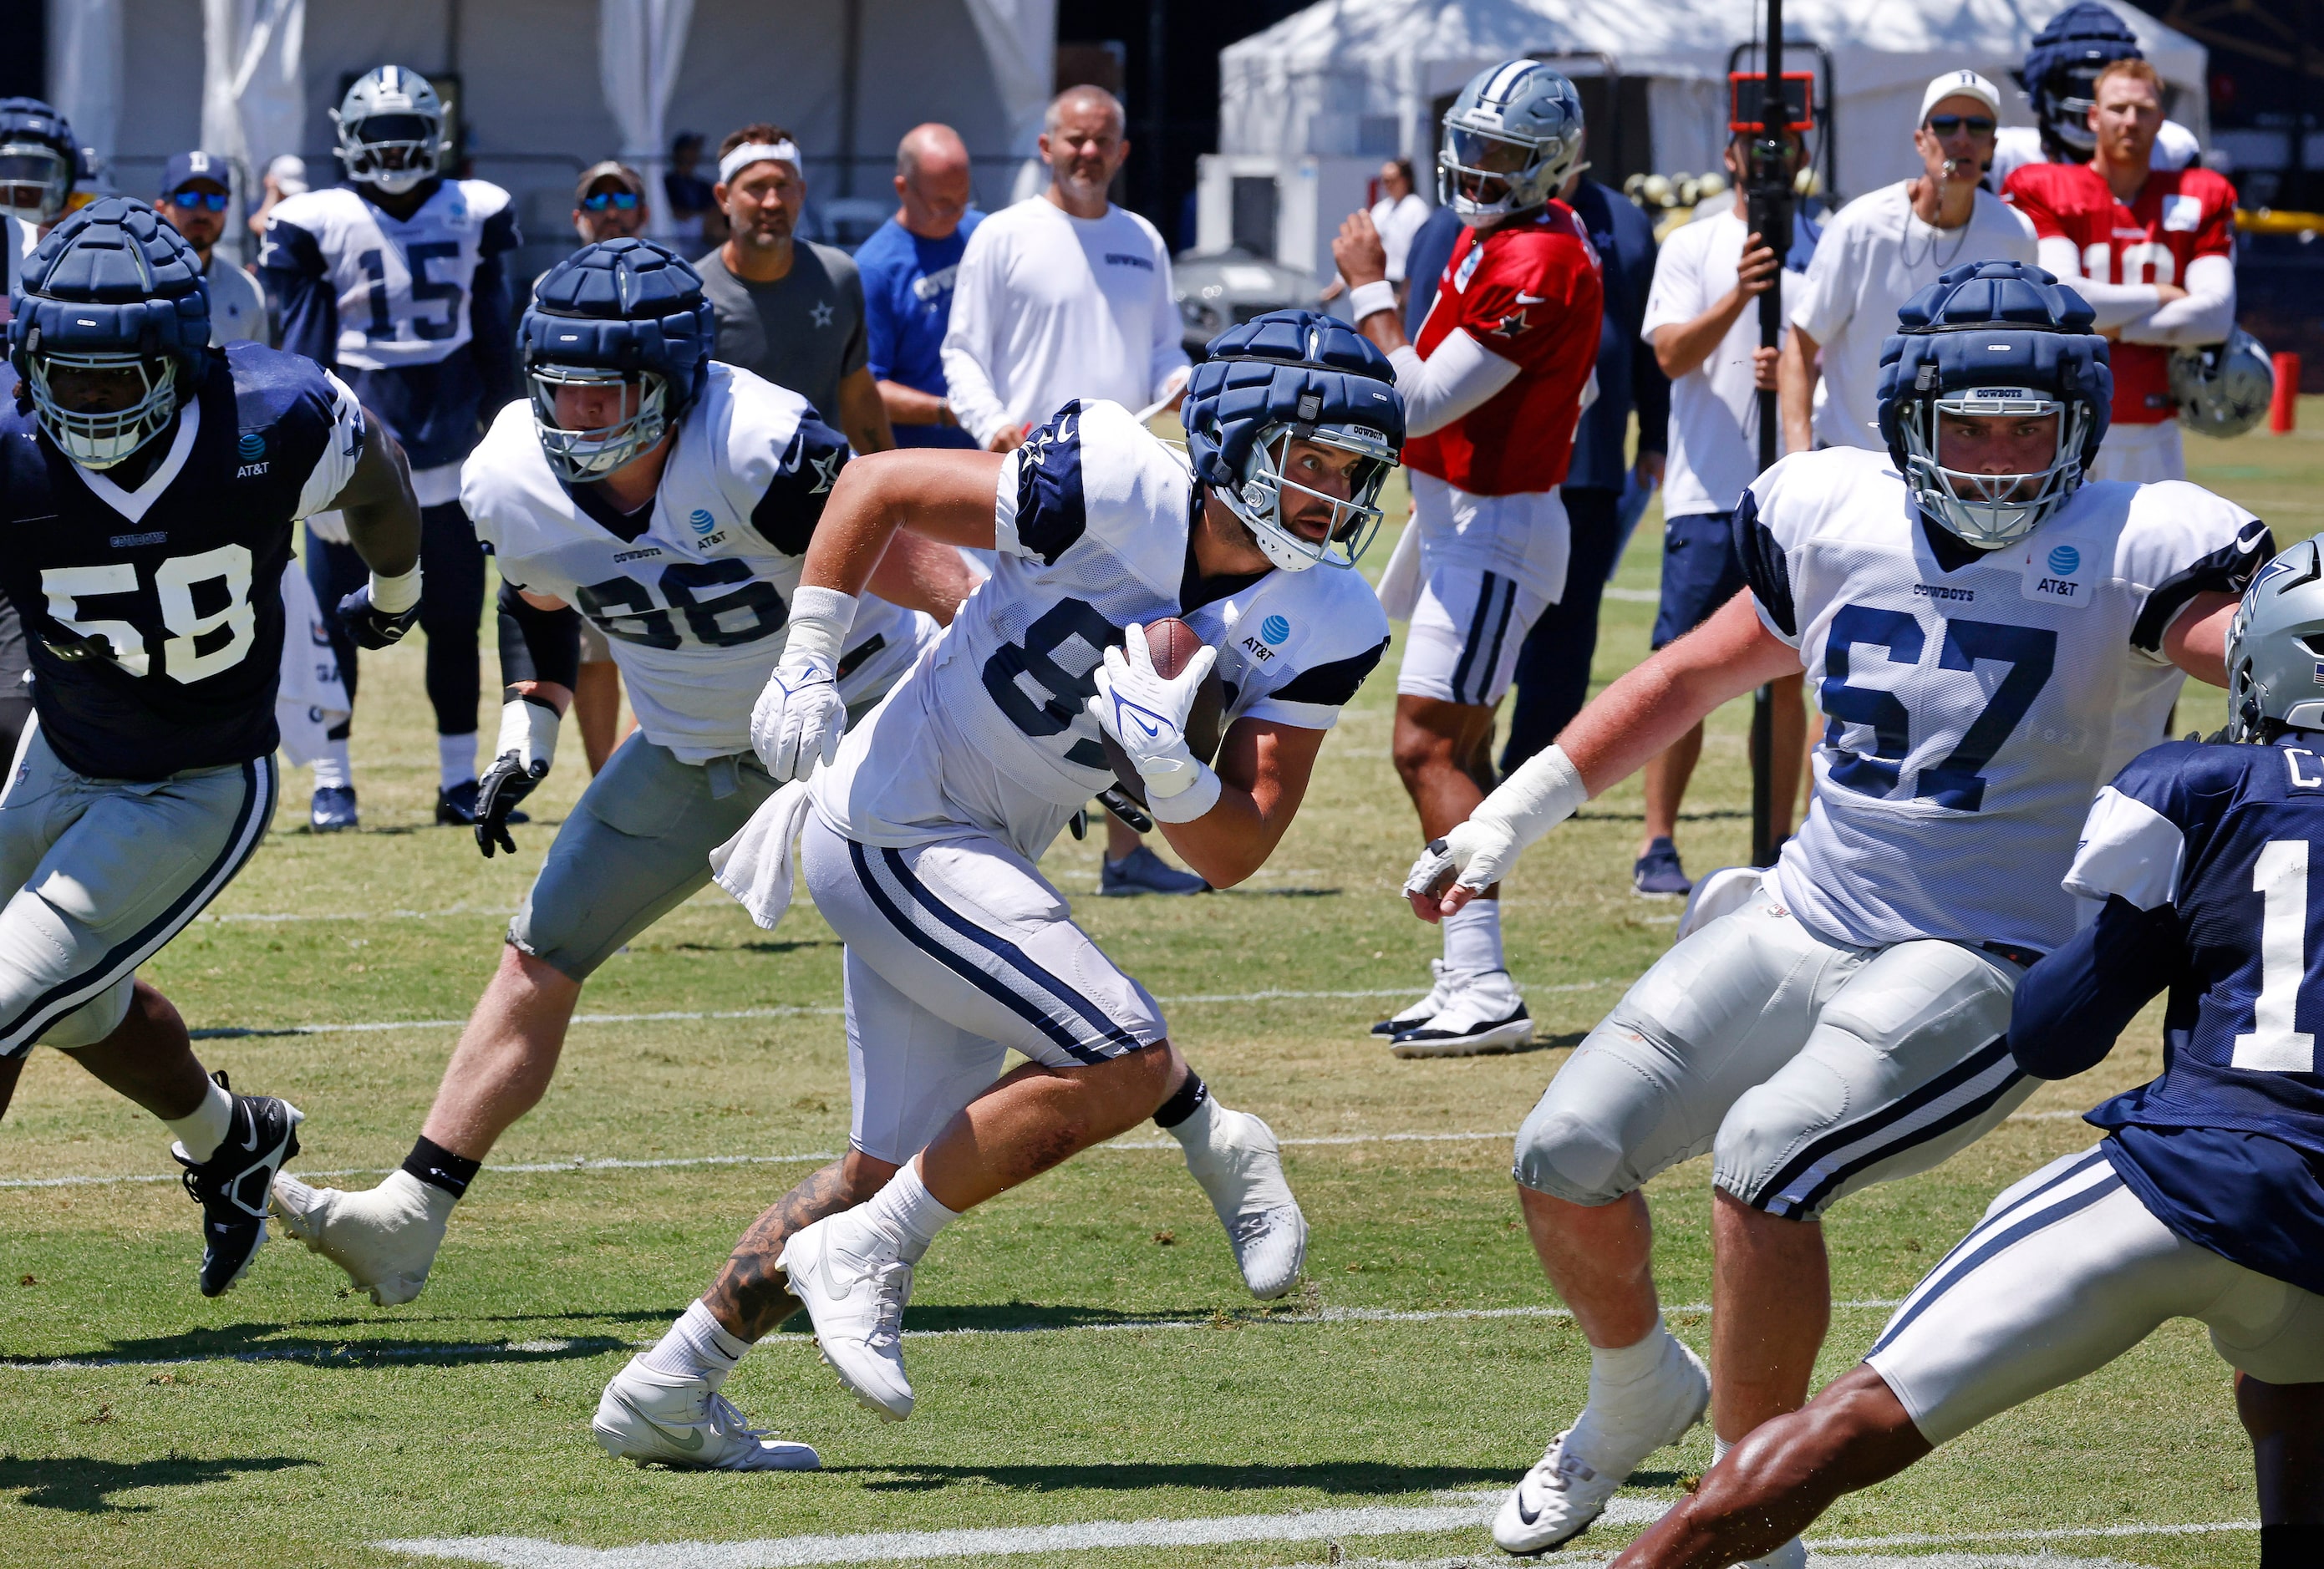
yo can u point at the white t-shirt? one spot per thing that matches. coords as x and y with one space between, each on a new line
1875 255
238 304
1714 426
1398 223
2014 146
1049 308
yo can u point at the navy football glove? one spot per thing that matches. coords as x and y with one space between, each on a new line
370 626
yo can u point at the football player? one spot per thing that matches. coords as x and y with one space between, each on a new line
2153 251
2060 73
670 499
920 841
149 483
1991 638
1492 393
395 278
2204 1200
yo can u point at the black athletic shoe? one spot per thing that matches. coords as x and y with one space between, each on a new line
456 807
232 1185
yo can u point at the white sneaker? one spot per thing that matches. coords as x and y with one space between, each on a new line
1568 1488
385 1239
1420 1012
854 1284
1792 1555
1482 1011
1241 1170
651 1417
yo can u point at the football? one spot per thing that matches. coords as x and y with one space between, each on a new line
1173 645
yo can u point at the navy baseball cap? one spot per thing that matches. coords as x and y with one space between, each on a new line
193 166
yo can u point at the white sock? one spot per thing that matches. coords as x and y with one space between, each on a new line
1472 937
202 1130
456 760
334 770
1624 1372
1718 1448
908 1213
697 1347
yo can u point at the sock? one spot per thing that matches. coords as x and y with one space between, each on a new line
1472 937
1718 1448
334 770
697 1347
456 760
1191 1097
2290 1546
438 1167
906 1212
1623 1373
202 1130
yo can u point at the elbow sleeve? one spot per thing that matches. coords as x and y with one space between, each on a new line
538 644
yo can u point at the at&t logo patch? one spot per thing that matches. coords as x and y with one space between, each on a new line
2065 560
1273 630
701 520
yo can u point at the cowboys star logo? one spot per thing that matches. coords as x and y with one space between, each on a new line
1511 325
827 470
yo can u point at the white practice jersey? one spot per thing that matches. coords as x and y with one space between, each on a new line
1974 702
1092 520
402 285
693 594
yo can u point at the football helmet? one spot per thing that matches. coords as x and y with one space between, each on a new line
113 288
2061 72
623 313
2275 647
390 130
39 161
1511 138
1295 375
1994 339
2223 389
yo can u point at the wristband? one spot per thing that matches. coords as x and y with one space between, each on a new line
1370 299
820 618
1545 790
528 728
1193 802
394 595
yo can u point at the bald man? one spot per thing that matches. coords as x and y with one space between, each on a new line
909 267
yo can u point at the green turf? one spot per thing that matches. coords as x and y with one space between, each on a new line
292 1424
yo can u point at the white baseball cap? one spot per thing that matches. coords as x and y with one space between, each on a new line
1962 85
290 172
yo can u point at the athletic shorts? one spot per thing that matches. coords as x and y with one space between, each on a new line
1808 1068
636 847
2140 454
959 953
2066 1271
1462 642
1700 572
102 872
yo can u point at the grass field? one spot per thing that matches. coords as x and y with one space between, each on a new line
1085 1352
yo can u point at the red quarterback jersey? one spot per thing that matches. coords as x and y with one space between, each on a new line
2179 215
1530 292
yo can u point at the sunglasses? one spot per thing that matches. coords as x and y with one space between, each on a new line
620 201
1946 124
192 200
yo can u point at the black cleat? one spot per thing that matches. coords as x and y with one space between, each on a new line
456 807
232 1185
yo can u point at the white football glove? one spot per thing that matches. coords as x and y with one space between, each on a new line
1145 713
1545 790
798 719
1476 854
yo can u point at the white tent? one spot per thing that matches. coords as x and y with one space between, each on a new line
549 86
1360 77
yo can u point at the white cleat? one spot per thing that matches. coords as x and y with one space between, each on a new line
1420 1012
1568 1488
658 1418
1241 1169
1483 1012
385 1239
854 1284
1792 1555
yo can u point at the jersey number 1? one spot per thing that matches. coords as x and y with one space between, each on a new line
2280 876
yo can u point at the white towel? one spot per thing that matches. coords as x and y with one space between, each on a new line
1399 583
755 865
1719 892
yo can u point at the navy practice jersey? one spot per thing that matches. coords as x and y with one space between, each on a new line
2202 852
414 312
181 577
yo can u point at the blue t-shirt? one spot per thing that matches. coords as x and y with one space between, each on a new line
908 283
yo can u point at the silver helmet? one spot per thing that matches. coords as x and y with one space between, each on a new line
1511 138
2275 648
390 130
2222 389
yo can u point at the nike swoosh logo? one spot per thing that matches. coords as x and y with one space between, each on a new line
689 1441
1530 1517
1532 299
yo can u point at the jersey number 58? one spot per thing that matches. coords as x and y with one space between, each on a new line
202 603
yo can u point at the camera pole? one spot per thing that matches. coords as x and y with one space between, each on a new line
1770 197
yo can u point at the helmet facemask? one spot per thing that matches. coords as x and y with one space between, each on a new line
35 180
2070 92
100 440
584 457
1988 512
395 152
1485 175
1257 499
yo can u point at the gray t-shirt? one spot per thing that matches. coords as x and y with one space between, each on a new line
804 330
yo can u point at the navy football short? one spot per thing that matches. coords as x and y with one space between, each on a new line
1700 572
